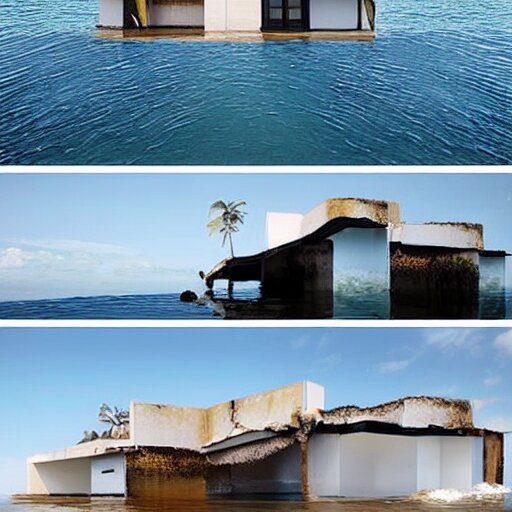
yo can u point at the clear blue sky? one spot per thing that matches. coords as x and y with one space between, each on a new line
53 380
76 234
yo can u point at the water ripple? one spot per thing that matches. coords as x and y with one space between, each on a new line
434 88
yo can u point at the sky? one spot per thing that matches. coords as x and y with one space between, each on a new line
63 235
54 380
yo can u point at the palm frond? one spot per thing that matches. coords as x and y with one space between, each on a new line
214 225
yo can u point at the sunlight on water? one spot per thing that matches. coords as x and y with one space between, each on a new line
434 88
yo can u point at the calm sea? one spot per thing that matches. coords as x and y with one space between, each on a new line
168 306
498 504
434 88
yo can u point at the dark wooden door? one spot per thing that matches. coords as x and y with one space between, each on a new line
285 15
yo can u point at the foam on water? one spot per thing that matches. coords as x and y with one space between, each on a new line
480 491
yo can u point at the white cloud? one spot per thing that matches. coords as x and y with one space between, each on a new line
73 267
14 257
65 245
492 380
503 342
392 366
480 403
452 339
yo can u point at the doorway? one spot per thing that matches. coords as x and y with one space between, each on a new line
285 15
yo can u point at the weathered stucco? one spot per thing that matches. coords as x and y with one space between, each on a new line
409 412
462 235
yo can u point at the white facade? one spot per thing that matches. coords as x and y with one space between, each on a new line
177 15
507 473
111 13
460 236
363 465
333 14
108 475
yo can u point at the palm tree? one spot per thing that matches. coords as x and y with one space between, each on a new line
228 215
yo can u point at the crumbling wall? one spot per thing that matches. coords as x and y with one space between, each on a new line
166 473
428 283
493 457
412 412
383 212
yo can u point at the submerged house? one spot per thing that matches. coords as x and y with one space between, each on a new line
279 442
350 18
351 258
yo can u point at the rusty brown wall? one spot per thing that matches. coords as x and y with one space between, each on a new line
166 473
432 284
493 457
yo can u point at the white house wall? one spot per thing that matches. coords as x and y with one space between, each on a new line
167 425
232 15
108 475
379 465
333 14
461 236
63 477
429 463
279 473
457 463
283 228
111 13
507 451
178 15
361 272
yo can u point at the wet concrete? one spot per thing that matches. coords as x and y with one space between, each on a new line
163 504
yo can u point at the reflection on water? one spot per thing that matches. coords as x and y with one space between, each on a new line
483 504
356 298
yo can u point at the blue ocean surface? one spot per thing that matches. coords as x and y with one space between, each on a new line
169 307
433 88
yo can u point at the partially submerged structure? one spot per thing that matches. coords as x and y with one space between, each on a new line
356 258
353 19
280 442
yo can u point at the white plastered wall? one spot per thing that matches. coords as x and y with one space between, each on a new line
283 228
181 15
507 474
439 235
333 14
232 15
314 396
167 425
61 477
108 475
111 13
381 465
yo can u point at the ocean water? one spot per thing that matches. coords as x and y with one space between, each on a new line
169 307
434 88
